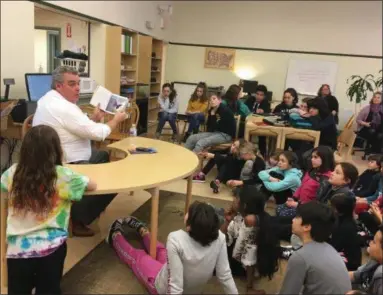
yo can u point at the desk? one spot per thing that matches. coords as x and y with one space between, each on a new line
141 171
281 132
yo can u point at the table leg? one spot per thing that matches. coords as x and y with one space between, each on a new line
155 192
188 193
4 272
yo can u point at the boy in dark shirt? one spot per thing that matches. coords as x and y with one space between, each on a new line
259 105
368 181
221 127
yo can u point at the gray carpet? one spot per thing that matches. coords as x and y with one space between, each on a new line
101 272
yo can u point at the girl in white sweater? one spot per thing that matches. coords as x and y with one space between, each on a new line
189 259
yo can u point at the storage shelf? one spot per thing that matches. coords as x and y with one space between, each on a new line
151 123
156 71
154 83
156 58
128 70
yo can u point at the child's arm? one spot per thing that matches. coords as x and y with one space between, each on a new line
223 272
92 186
282 185
295 275
161 103
175 267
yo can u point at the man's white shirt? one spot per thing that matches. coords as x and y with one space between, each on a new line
74 127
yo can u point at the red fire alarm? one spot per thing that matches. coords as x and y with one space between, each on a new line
68 30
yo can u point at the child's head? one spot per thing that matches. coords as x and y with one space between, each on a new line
343 204
344 174
318 107
287 160
324 90
304 106
235 146
260 93
251 201
232 93
215 100
200 92
166 89
34 182
314 221
322 159
375 162
247 151
202 223
290 96
274 158
375 249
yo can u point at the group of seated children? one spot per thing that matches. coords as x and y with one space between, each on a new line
239 241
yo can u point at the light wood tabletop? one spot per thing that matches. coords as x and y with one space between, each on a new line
135 171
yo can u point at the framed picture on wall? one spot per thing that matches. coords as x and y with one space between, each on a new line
219 58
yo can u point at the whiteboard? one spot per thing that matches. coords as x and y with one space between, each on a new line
306 76
184 92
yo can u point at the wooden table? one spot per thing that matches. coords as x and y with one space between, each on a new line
139 171
282 133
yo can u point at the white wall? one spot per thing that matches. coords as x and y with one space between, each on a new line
129 14
353 27
46 18
17 44
41 50
186 64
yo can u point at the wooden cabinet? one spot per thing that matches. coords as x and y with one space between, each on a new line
112 58
144 59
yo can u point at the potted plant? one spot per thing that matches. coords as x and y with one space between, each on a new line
361 86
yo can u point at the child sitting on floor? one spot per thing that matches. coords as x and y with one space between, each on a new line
251 243
40 194
189 260
229 166
322 163
368 181
369 276
273 159
253 165
282 181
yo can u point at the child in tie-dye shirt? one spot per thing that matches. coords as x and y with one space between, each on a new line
40 191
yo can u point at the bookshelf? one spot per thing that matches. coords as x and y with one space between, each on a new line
133 65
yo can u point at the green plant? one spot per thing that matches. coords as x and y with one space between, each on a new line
360 86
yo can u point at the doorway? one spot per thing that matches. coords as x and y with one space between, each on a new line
47 47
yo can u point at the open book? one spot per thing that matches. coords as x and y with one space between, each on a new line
109 102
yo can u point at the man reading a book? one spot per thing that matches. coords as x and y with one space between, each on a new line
58 109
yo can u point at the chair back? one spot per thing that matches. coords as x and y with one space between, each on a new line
237 124
345 144
124 127
27 124
350 122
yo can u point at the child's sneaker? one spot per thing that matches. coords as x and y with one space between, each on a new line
134 223
286 252
115 227
200 178
214 186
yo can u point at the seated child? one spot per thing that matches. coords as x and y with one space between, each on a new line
196 109
168 110
342 179
290 101
221 127
282 181
40 194
369 276
322 163
229 166
368 181
316 268
299 117
253 165
250 240
345 238
189 260
370 220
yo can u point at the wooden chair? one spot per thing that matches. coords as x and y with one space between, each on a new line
27 124
345 143
350 123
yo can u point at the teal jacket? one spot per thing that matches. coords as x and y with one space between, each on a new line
292 179
242 109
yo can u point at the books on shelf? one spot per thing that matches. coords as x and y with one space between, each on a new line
126 44
109 102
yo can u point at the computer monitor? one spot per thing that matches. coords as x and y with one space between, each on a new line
37 85
249 86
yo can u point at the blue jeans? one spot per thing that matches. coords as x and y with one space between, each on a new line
164 117
194 121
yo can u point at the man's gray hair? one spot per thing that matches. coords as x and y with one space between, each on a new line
58 74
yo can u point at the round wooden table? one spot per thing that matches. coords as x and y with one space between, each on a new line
135 171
